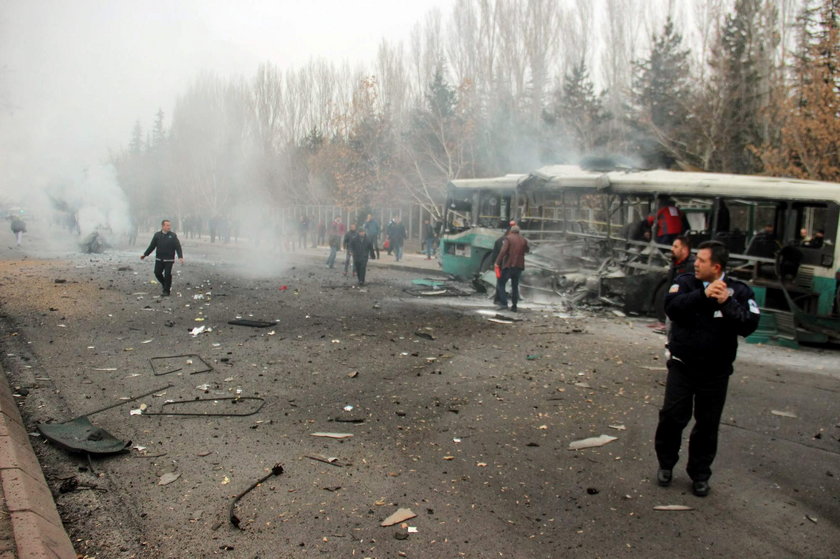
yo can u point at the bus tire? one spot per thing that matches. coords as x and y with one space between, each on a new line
486 263
659 301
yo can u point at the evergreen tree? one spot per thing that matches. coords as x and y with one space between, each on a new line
135 145
158 131
660 96
579 111
739 87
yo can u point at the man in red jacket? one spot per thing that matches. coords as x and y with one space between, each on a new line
511 260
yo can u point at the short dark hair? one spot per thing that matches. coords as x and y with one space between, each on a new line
719 252
162 222
684 240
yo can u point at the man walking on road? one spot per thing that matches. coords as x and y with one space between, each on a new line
165 243
708 312
362 249
511 260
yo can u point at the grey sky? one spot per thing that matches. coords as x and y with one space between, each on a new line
76 75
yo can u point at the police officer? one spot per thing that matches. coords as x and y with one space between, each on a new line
708 311
165 243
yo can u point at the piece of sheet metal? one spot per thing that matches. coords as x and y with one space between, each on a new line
80 435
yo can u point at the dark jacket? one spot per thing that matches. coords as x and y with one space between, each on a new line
705 332
397 234
497 247
348 238
167 244
513 251
362 248
684 267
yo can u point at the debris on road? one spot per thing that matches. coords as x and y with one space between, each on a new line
80 435
210 402
331 460
401 515
168 478
672 507
276 470
784 413
168 364
253 323
333 435
592 442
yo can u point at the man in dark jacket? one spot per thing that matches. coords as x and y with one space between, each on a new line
501 280
511 260
165 243
347 243
397 238
362 249
708 311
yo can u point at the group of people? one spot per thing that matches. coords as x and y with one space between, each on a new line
707 309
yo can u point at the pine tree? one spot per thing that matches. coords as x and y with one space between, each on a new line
739 88
660 96
579 111
135 145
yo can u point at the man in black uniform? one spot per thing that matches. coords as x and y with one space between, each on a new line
165 243
362 248
708 312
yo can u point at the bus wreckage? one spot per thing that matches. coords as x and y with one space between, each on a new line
593 238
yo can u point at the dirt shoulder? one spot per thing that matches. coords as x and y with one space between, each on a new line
463 420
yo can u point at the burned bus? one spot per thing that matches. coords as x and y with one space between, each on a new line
782 234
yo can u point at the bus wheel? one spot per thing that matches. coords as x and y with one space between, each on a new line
486 263
659 301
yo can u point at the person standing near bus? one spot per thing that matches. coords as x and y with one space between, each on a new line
511 261
670 222
708 311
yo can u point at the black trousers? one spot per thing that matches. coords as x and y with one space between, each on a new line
163 273
686 389
361 268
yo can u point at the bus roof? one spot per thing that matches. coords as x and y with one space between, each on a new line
681 183
505 182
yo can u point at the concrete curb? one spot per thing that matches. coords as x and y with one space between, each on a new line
37 528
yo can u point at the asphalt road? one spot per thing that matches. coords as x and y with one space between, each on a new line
462 420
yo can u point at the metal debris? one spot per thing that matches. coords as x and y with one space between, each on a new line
203 401
189 359
276 470
333 435
252 323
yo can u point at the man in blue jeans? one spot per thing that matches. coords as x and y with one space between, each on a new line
511 261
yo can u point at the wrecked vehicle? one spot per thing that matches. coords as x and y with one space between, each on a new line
587 233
